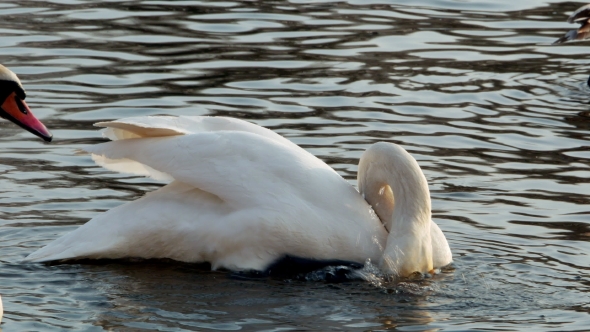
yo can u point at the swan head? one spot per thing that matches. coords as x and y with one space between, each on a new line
392 182
14 108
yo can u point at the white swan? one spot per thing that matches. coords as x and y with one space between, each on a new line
241 197
14 108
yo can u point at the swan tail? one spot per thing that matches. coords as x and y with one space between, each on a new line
95 239
175 222
61 249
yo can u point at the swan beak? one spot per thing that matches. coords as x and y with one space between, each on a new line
16 110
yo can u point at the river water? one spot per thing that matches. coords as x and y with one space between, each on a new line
496 115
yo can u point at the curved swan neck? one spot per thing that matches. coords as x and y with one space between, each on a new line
405 213
384 166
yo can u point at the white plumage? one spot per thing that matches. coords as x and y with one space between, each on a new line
241 196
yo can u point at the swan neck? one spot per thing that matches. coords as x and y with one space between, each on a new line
398 172
407 216
413 201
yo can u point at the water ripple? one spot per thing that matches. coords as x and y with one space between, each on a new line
495 114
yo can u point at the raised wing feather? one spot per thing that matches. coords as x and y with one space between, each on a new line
160 126
166 126
240 167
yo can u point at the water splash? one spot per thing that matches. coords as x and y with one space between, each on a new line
371 273
412 285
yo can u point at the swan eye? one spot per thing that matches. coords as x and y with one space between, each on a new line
20 105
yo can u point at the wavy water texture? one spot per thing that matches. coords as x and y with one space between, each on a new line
496 115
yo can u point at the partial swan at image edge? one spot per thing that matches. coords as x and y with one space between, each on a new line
14 108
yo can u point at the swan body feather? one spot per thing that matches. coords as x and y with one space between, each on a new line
240 197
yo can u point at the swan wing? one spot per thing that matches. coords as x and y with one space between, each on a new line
240 167
160 126
169 126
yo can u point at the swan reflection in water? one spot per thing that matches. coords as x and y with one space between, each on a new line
189 296
241 197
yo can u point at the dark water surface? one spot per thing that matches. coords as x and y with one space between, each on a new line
496 115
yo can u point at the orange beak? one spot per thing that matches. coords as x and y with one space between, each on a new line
17 111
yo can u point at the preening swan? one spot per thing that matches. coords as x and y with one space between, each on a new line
242 197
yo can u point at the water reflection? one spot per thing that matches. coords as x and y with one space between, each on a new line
188 297
496 115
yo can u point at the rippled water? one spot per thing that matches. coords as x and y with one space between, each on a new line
497 116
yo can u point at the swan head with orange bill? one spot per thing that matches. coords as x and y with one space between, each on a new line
14 108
